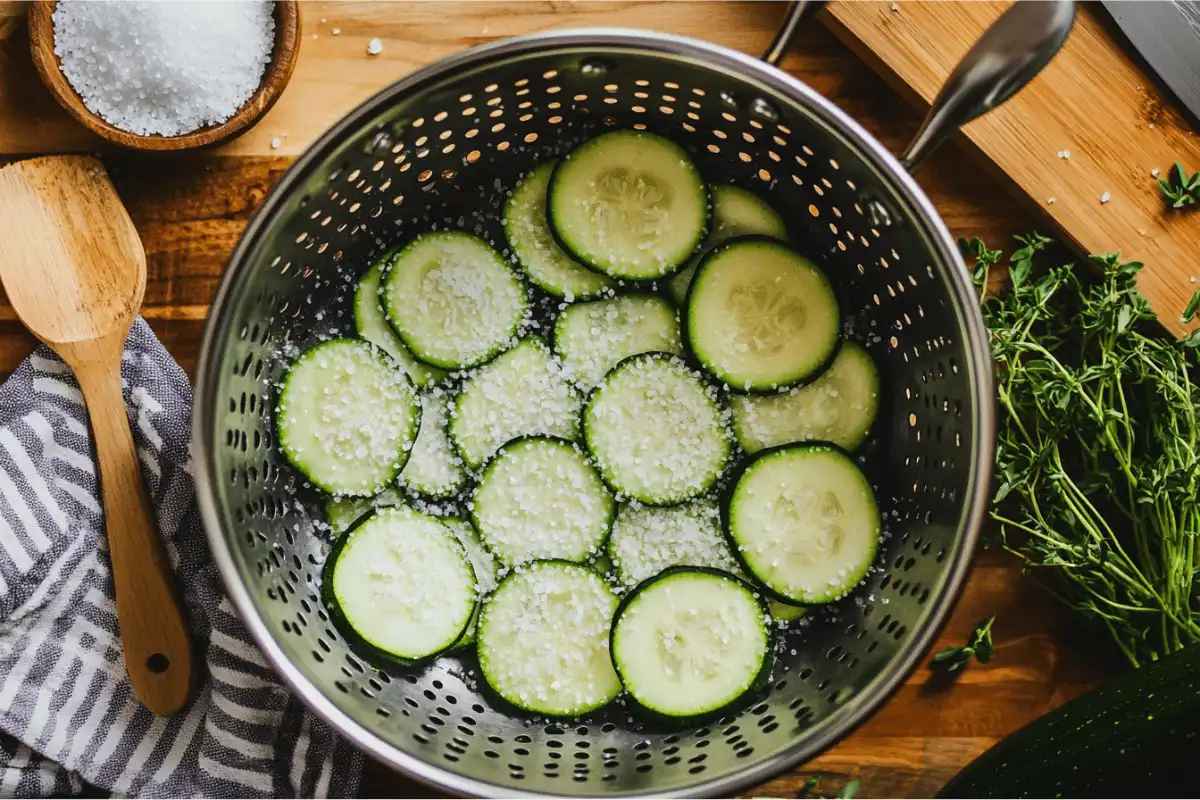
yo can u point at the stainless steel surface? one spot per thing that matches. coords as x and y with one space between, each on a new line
1167 34
1008 55
797 16
443 147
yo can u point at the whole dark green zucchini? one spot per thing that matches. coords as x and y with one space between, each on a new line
1138 736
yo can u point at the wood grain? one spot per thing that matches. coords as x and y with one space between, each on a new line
190 214
275 79
1092 100
74 269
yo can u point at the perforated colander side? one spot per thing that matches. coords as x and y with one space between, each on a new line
442 148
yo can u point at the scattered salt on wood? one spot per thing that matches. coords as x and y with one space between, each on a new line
166 69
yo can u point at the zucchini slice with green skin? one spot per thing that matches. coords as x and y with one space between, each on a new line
400 582
646 540
628 204
539 498
657 431
372 325
454 302
347 417
785 613
486 570
839 407
544 263
735 212
434 467
691 642
592 338
524 392
543 640
342 513
761 317
804 523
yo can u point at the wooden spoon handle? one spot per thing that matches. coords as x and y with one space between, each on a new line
154 635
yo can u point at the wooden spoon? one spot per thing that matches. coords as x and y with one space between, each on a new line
75 272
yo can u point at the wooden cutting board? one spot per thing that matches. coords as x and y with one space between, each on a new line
1093 100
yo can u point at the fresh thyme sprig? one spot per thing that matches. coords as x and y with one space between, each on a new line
1181 189
1098 463
980 647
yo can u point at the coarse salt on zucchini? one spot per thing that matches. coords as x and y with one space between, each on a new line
735 212
690 642
538 255
453 300
522 393
629 204
592 338
839 407
342 512
347 417
646 540
543 639
372 325
803 521
434 467
484 565
402 583
539 498
658 432
760 316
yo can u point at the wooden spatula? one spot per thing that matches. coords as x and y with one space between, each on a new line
75 272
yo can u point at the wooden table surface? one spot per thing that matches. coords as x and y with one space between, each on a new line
190 209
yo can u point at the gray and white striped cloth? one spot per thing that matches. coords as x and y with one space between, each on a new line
67 715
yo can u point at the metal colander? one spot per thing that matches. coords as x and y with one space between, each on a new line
442 148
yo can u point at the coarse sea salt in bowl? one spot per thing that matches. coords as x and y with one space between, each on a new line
165 76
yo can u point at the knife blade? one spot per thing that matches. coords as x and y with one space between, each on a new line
1167 35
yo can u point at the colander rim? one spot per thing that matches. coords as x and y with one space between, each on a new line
843 721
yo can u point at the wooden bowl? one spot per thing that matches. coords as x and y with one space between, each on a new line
275 78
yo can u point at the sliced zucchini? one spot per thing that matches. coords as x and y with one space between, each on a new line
690 642
735 212
803 522
591 338
839 407
453 300
522 393
783 612
401 583
342 512
486 570
628 204
372 325
538 255
539 498
347 417
646 540
543 640
657 431
435 468
760 316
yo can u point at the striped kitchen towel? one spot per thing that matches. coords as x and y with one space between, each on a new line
67 716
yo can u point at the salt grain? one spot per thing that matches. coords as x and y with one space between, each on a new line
374 47
1104 198
164 69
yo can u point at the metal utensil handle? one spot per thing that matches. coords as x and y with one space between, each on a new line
798 15
1009 54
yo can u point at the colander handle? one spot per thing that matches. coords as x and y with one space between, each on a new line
1009 54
